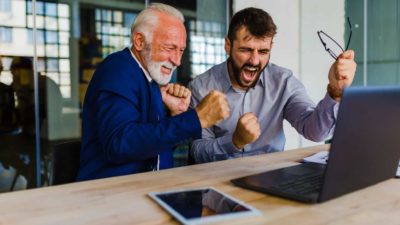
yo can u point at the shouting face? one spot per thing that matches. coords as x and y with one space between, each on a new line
248 56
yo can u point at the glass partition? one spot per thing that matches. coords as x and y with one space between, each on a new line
377 41
71 37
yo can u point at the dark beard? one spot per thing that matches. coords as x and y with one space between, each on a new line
236 72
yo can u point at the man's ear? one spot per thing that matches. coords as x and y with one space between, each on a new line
227 45
138 41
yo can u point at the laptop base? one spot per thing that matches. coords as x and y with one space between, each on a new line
300 182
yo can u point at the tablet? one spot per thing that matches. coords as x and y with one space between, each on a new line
203 205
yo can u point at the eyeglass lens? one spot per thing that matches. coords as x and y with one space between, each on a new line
331 45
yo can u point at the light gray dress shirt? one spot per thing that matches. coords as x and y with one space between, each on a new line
277 95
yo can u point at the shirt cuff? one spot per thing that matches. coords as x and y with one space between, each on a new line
331 103
226 144
329 100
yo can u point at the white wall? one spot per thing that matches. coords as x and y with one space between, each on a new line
297 46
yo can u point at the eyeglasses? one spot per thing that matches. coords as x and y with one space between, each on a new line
331 46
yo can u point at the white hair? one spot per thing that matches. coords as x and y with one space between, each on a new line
147 19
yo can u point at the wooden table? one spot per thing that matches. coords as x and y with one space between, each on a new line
124 200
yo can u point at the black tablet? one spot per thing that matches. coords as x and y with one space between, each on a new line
203 205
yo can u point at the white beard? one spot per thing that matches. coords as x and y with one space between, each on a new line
154 69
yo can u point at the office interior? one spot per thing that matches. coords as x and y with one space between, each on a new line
67 39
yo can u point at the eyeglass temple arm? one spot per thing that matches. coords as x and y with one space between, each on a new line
351 32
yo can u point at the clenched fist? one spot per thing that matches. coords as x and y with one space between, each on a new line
341 74
176 97
212 109
247 130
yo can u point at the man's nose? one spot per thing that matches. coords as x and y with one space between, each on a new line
254 58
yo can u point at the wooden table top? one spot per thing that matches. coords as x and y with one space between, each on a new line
124 200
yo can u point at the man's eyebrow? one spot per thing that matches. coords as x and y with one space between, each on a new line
249 48
264 49
246 48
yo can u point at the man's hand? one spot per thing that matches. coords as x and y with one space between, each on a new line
212 109
341 74
176 97
247 130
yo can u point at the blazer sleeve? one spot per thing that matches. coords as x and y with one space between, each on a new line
125 138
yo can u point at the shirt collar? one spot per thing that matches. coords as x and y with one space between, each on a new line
141 67
226 81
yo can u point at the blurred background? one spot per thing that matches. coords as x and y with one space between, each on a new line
60 43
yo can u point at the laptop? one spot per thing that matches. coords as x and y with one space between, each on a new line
365 150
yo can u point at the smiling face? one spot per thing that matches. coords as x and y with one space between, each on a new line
248 56
164 53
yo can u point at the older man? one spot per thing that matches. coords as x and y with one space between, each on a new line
125 129
262 94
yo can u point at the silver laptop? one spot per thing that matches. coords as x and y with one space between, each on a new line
365 150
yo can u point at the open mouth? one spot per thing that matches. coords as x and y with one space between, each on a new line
166 70
249 73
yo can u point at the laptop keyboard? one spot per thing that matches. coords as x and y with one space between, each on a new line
301 185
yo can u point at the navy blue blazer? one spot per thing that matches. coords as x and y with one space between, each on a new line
123 124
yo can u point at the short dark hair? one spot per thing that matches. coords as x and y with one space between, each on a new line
258 22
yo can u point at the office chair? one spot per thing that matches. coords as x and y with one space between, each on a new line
190 158
65 162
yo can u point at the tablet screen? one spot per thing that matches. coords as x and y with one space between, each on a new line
201 205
